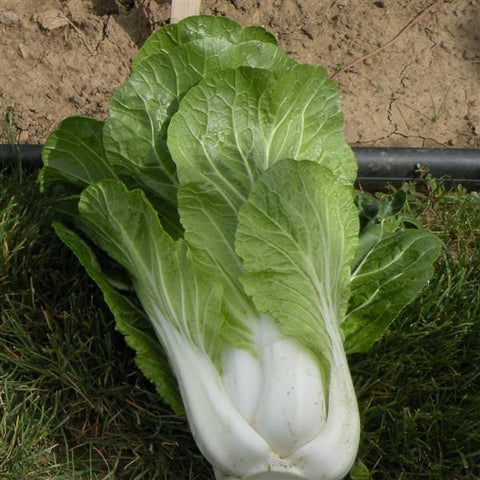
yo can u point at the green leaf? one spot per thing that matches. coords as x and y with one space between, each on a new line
176 297
359 471
297 235
392 205
389 277
367 208
140 111
385 209
230 128
264 117
129 320
369 237
253 54
197 28
74 154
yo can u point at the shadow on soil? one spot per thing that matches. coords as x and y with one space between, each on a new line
139 18
469 38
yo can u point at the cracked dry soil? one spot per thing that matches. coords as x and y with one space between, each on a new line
65 57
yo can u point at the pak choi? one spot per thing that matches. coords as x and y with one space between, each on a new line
221 185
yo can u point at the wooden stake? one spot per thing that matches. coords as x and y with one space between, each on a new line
184 8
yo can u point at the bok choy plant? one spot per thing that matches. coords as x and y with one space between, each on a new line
216 211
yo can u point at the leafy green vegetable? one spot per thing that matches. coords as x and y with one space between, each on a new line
200 28
221 185
389 277
297 235
130 320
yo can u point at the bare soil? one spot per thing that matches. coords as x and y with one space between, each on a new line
65 57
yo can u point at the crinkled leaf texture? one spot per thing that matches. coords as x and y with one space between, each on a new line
222 185
229 129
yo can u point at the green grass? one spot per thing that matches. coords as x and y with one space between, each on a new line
74 406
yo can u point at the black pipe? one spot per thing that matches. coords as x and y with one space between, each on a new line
376 165
458 165
28 156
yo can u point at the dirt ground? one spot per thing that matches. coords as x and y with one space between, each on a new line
64 57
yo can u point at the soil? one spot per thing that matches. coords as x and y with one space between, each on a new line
65 57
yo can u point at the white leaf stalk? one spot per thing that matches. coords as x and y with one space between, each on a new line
312 434
268 418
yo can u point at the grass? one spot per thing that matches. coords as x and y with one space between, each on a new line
74 406
438 109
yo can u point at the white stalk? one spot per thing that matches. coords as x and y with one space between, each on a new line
223 436
331 454
310 437
283 427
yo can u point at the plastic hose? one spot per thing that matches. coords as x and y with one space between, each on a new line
376 165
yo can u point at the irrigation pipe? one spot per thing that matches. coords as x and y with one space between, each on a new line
397 165
377 166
